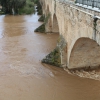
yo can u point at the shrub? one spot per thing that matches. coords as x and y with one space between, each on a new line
28 8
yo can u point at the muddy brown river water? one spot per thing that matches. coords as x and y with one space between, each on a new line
23 77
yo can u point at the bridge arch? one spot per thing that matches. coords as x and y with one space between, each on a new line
85 53
55 26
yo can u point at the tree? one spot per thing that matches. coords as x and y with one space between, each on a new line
12 6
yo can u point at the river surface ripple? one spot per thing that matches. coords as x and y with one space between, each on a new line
23 77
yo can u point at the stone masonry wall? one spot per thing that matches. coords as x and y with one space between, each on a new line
76 24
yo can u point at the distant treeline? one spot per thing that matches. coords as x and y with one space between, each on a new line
18 6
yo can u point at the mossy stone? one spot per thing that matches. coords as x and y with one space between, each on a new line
42 18
53 58
40 29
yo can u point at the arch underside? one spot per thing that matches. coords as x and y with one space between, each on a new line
85 53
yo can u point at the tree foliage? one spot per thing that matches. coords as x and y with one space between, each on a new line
8 5
28 8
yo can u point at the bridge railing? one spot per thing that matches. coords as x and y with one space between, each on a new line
93 3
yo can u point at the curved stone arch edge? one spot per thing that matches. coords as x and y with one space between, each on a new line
72 46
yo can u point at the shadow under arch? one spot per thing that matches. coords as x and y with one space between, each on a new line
55 26
85 54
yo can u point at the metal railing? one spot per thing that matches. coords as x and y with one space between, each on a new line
93 3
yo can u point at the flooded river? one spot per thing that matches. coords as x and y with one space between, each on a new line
23 77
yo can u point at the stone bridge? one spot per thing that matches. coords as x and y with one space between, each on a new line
79 31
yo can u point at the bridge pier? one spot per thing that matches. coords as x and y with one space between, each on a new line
55 27
62 45
48 24
79 34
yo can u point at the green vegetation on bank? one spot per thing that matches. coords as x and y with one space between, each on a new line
28 8
1 13
12 6
18 6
